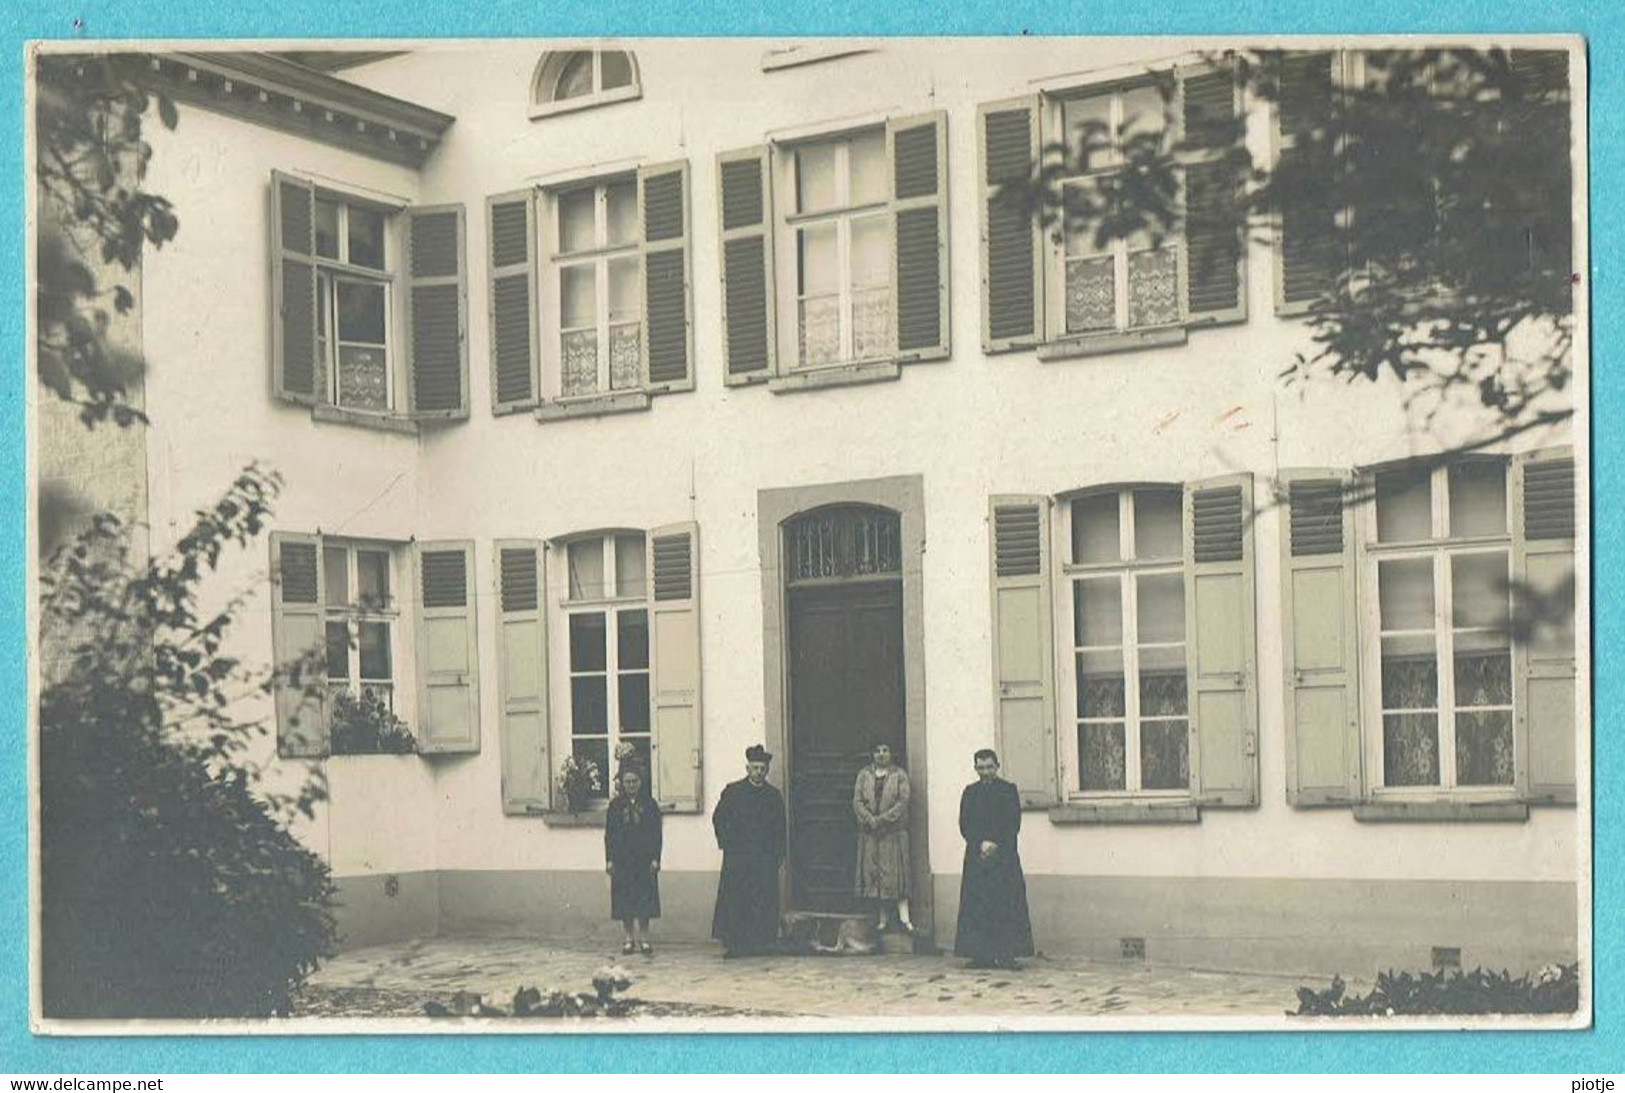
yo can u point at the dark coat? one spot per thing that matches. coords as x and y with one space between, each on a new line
993 920
749 823
632 844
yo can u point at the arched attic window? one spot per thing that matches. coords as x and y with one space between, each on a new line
575 79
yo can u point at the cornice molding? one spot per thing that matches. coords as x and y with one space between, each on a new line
268 90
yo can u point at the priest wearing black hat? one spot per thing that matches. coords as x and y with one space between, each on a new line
749 822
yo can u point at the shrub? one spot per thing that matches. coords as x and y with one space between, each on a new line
1555 989
364 725
171 885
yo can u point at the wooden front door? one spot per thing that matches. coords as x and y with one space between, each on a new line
846 691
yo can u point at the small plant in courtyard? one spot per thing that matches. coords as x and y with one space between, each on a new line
579 780
607 982
365 725
1554 989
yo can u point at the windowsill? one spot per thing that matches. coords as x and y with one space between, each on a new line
591 818
622 402
1095 345
1135 812
836 375
367 419
539 110
1441 811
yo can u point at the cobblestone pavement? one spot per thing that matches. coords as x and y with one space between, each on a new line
693 980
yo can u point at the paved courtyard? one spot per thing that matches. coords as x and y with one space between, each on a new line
396 980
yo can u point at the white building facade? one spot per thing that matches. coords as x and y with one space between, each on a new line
673 397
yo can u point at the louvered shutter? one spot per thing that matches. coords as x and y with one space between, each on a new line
919 156
510 228
1024 646
1545 76
448 653
1219 629
1215 269
674 658
437 312
297 370
1545 517
668 353
527 783
1012 273
1319 638
298 638
748 328
1309 251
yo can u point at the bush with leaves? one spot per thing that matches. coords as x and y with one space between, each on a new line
171 884
364 725
1555 989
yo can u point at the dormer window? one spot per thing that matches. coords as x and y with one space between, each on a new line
576 79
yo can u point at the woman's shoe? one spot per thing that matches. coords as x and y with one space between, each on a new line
646 949
628 948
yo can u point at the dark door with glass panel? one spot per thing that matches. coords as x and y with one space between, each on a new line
846 687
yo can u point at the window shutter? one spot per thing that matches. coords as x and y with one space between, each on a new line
1544 513
1319 638
668 355
1309 255
1024 646
1219 625
747 265
448 652
1012 285
437 311
298 638
510 228
527 782
1215 266
298 371
919 156
674 658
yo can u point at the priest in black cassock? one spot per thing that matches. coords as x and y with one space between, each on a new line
994 927
749 822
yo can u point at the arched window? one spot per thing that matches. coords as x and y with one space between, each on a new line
579 78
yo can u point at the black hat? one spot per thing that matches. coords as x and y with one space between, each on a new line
758 754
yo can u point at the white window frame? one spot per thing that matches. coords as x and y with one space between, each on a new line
611 606
355 613
789 221
1127 573
1440 547
544 85
600 255
330 272
1052 128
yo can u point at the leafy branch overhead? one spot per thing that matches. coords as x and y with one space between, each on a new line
1422 199
95 218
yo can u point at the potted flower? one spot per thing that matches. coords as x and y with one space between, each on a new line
364 725
579 779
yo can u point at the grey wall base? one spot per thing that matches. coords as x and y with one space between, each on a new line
1296 926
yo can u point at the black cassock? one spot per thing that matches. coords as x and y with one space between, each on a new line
749 822
993 920
632 842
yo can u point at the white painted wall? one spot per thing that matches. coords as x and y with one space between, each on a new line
970 425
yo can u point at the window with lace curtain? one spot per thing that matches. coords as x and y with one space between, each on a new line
596 277
1438 555
1126 582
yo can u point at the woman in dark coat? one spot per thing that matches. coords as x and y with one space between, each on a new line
632 843
994 927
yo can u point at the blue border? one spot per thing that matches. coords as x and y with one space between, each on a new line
1599 1050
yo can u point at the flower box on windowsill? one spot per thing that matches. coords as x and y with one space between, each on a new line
836 375
593 405
1093 345
587 817
1127 812
370 419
